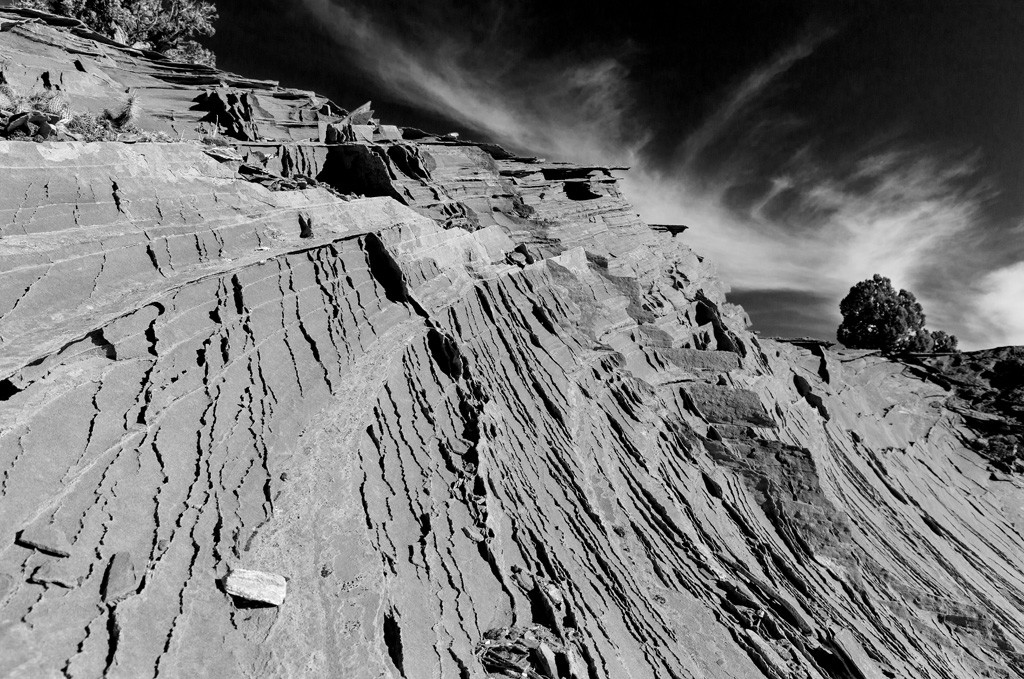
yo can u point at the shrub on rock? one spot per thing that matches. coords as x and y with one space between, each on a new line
169 26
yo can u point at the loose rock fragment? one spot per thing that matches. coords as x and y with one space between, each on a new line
267 588
120 578
60 573
47 539
532 651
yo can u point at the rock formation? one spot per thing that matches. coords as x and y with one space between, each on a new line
988 388
467 408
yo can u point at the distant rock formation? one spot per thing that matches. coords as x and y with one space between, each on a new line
404 405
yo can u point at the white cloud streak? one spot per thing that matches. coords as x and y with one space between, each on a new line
899 211
567 109
1001 303
905 221
747 93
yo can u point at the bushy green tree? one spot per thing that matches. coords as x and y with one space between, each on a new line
876 316
169 26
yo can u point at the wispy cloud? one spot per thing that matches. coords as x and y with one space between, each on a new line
905 214
812 219
749 92
561 107
999 306
810 230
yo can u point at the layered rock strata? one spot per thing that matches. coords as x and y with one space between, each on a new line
467 410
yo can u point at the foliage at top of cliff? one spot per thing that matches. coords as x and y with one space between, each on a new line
172 27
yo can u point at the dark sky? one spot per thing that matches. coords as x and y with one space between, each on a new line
807 144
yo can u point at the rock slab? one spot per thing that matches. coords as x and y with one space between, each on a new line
47 539
264 588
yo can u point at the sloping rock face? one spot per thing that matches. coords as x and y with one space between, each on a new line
466 409
989 393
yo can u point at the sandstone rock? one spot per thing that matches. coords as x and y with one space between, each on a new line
482 408
60 573
526 652
728 405
989 394
121 578
854 655
47 539
256 586
473 534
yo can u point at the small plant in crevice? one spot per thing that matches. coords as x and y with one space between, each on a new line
47 114
37 115
126 115
172 27
90 127
117 124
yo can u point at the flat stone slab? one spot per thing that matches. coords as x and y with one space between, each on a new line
62 573
267 588
699 360
47 539
729 405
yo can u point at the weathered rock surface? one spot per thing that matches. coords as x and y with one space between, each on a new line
989 393
482 419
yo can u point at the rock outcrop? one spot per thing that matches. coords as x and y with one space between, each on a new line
479 417
988 389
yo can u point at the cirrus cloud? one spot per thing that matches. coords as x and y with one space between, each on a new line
767 194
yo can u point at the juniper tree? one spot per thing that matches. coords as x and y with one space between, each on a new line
876 316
